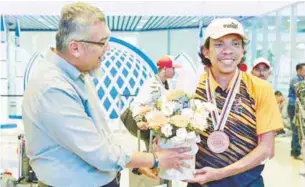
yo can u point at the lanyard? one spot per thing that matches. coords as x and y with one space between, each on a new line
219 121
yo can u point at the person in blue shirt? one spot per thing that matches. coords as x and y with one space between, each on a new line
295 144
63 140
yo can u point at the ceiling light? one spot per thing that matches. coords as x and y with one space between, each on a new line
290 20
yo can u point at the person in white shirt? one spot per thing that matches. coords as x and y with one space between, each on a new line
155 86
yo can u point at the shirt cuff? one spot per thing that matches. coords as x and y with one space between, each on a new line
124 159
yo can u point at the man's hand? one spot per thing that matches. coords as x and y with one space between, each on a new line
173 158
150 173
205 175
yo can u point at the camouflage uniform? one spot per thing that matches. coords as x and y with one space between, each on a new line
300 109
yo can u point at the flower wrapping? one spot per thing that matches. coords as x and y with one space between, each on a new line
182 139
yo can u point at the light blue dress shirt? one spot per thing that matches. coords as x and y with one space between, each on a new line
62 141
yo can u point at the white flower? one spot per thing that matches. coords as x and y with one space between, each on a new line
173 95
168 108
156 119
167 130
201 107
196 105
140 110
177 106
189 113
180 120
149 115
205 115
180 138
199 122
209 106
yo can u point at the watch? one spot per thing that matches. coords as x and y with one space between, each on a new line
136 171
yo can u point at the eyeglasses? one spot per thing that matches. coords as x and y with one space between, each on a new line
100 44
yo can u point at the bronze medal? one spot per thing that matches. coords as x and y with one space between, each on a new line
218 142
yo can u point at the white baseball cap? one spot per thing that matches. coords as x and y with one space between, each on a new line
259 61
223 26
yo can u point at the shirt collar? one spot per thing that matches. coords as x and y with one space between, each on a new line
62 64
300 78
157 77
215 84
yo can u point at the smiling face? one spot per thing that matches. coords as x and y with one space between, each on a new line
225 53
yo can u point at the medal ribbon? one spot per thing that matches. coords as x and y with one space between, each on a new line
219 121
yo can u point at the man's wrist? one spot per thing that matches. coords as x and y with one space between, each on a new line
156 161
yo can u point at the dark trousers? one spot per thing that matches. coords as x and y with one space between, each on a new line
295 143
114 183
259 182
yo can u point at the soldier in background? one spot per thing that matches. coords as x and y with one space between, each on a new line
300 118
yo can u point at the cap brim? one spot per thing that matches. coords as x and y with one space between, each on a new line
262 63
221 34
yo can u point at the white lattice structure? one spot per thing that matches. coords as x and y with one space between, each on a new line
126 68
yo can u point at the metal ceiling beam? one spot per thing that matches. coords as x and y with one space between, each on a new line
115 23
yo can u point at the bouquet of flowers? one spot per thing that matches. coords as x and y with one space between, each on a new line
176 118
